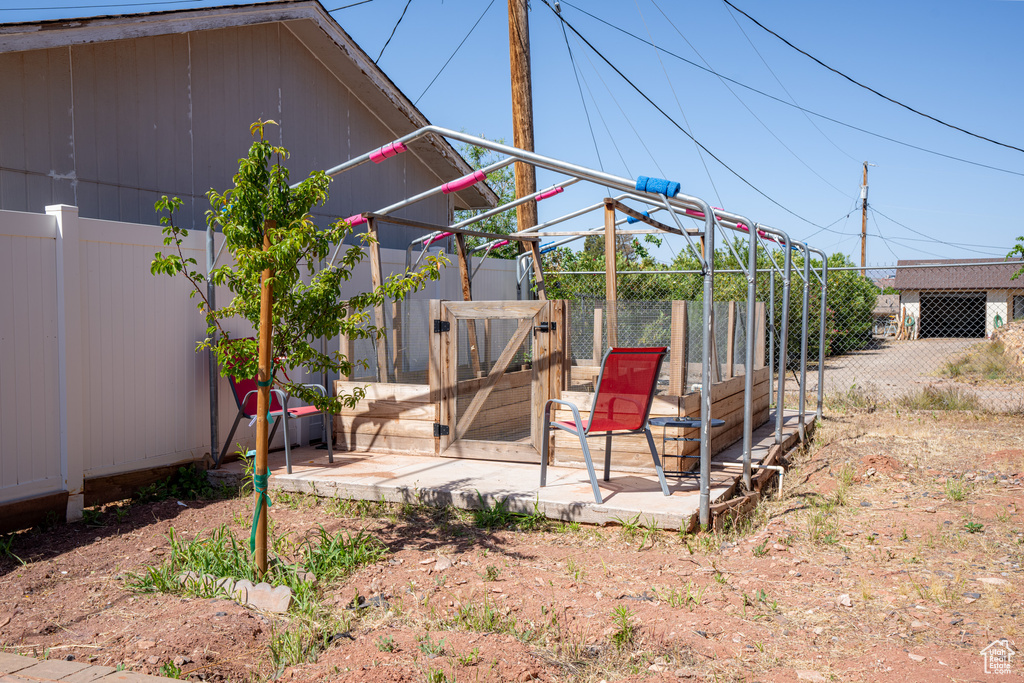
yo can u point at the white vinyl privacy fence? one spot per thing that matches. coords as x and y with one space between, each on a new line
98 370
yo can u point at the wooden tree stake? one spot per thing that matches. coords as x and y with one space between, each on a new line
264 376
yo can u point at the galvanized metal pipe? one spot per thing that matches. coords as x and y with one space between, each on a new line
822 331
803 337
771 335
211 297
684 203
705 361
748 380
780 392
408 201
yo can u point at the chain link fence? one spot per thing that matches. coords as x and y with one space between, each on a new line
923 334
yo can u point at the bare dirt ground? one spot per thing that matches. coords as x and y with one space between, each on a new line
894 554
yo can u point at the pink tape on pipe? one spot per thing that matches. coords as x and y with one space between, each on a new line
355 220
500 244
386 152
439 237
550 193
463 182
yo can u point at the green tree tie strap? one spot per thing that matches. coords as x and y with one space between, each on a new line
268 383
259 482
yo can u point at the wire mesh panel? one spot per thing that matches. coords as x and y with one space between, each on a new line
649 323
926 334
890 333
406 339
504 414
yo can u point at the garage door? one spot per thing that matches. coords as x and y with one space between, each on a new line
953 314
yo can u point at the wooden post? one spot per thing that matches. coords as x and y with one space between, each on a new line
467 295
434 379
345 349
677 365
538 271
377 279
396 339
611 285
565 348
730 342
486 340
716 367
522 112
264 376
598 336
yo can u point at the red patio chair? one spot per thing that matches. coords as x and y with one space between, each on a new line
245 394
622 404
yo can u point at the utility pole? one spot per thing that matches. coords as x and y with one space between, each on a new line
522 107
864 223
522 123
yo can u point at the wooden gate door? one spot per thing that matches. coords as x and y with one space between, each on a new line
493 366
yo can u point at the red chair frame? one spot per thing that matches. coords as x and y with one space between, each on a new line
622 405
245 395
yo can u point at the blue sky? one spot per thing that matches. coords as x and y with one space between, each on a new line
961 62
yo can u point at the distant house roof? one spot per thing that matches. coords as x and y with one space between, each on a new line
883 282
311 23
958 274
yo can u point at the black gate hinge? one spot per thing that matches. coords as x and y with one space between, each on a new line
442 326
545 327
440 430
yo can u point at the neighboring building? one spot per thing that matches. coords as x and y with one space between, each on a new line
960 297
884 283
885 312
109 113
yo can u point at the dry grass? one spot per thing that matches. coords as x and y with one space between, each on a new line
988 361
940 398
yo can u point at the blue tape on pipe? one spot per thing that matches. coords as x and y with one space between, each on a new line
631 220
668 188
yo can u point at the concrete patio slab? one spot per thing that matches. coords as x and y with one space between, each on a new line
463 483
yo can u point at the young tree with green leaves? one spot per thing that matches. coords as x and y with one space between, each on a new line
283 282
308 302
1017 251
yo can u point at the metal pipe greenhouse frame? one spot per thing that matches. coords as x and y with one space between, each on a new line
657 195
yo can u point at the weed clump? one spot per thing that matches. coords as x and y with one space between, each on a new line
989 361
940 398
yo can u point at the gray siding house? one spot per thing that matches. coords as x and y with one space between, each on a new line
110 113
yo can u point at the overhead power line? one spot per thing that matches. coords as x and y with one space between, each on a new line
747 107
455 52
869 88
583 100
397 23
787 102
673 121
703 161
785 89
928 237
354 4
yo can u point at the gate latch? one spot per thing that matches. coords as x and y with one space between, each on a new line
545 327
